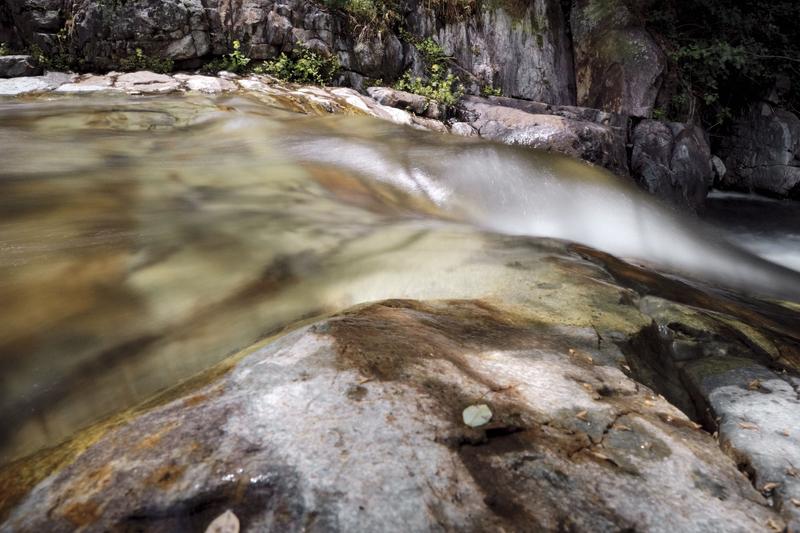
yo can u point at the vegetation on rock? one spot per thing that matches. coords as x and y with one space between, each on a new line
383 14
303 65
140 61
235 61
439 83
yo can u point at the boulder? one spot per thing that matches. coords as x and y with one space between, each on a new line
18 65
463 129
415 103
145 82
34 84
763 153
206 84
357 423
619 67
601 144
672 161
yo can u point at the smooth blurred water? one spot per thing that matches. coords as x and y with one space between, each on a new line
143 239
767 227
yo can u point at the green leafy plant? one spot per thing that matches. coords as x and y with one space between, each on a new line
235 61
303 65
371 16
4 49
60 58
490 90
724 54
140 61
438 83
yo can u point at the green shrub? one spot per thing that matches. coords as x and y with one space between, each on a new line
60 58
369 15
4 49
491 90
235 61
140 61
439 83
726 53
303 65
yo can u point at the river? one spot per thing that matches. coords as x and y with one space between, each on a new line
144 239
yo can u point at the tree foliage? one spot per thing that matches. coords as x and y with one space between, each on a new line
727 53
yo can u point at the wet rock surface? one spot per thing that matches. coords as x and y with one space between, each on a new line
356 421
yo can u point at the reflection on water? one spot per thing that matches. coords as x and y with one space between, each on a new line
142 240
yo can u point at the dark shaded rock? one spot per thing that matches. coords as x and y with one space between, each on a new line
672 161
564 131
763 153
618 66
18 66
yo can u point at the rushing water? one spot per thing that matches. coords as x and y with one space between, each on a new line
142 240
767 227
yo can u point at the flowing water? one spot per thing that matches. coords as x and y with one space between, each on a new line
144 239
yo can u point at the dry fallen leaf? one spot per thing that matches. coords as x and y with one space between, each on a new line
582 415
695 425
748 425
477 415
754 385
773 525
602 456
621 427
795 502
793 472
769 487
227 522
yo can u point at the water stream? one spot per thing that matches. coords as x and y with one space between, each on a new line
144 239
